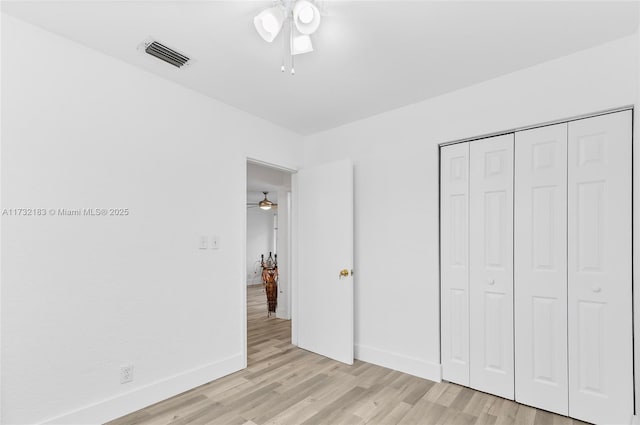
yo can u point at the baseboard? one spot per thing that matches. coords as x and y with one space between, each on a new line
399 362
138 398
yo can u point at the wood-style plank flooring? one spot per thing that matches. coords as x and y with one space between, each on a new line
286 385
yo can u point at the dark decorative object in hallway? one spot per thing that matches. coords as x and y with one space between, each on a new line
270 281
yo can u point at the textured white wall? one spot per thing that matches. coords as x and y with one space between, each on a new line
395 157
81 296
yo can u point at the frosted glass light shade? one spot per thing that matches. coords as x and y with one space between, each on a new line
306 17
269 22
306 14
301 43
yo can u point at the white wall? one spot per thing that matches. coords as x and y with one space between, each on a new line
283 310
396 165
82 296
260 225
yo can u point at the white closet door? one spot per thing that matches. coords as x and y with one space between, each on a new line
454 265
600 333
491 265
541 268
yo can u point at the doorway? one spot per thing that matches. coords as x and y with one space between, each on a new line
268 259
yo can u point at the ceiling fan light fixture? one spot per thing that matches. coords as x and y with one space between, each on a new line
303 18
265 204
269 22
306 17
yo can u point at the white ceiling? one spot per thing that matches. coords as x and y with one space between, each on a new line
371 56
265 179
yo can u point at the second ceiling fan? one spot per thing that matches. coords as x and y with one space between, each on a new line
265 204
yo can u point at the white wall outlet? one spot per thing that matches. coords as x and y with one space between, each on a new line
204 242
215 242
126 374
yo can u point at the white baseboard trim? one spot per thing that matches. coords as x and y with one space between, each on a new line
138 398
399 362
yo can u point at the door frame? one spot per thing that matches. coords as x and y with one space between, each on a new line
292 268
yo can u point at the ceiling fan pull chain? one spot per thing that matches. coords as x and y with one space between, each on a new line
293 68
284 52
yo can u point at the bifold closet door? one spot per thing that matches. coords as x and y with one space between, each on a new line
491 265
541 268
454 261
600 301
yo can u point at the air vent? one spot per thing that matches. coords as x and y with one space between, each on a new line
166 54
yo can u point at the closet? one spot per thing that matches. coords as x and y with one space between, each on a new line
536 289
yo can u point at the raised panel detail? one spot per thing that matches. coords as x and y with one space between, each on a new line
591 149
590 211
459 324
454 261
490 211
591 344
600 268
544 322
494 163
544 228
543 155
495 205
540 272
493 325
458 230
458 169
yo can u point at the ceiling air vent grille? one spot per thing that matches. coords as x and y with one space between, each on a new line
166 54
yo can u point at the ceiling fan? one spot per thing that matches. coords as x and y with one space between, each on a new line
265 204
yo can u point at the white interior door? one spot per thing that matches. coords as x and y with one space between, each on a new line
454 262
541 268
491 265
325 248
600 301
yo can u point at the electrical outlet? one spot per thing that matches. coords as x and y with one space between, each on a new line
126 374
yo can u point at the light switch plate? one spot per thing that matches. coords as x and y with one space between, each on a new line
215 242
204 242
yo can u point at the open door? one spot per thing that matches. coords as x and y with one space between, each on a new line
325 260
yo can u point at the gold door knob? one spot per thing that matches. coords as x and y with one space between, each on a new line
344 273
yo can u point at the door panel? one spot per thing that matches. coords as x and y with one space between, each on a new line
454 254
599 291
325 247
491 265
541 268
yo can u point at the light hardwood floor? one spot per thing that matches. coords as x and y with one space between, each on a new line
286 385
